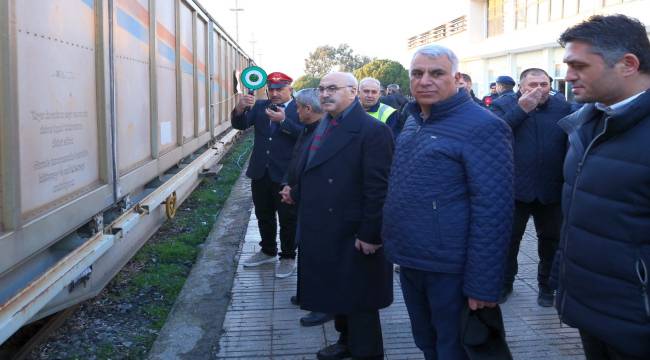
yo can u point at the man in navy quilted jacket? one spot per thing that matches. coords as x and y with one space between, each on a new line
448 212
539 148
603 261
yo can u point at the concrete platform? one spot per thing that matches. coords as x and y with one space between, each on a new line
261 323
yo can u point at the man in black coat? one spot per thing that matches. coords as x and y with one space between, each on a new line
539 148
341 191
505 86
276 130
394 97
465 82
310 113
603 261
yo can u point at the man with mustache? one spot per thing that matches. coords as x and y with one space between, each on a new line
448 211
341 190
539 148
369 97
310 114
276 130
603 261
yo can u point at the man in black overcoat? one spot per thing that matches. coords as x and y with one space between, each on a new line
342 188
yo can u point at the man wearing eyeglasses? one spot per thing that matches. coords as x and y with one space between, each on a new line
448 210
276 129
341 186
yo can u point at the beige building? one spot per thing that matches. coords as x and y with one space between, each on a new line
504 37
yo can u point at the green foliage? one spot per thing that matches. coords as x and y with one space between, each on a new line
323 60
164 264
387 72
306 81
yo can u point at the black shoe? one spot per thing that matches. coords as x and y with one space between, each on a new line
294 300
315 318
545 298
334 352
505 293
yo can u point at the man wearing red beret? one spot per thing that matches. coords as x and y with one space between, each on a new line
276 129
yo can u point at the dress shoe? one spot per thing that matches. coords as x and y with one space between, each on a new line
294 300
315 318
334 352
545 298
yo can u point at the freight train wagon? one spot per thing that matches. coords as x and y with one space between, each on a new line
110 110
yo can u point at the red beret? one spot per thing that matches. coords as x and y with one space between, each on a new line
278 80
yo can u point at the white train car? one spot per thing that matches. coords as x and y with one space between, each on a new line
98 99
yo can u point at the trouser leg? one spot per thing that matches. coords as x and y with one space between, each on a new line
520 219
265 209
415 297
548 220
361 332
287 217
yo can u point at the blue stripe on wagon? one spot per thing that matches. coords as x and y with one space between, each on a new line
131 25
186 67
166 51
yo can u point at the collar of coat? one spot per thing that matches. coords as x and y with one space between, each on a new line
619 121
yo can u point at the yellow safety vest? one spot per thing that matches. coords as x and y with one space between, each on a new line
383 112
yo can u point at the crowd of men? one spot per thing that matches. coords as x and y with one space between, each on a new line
444 185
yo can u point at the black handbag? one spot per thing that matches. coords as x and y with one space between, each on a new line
483 335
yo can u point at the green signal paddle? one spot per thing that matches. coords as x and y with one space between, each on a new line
253 77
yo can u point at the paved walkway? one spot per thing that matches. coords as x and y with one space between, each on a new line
262 323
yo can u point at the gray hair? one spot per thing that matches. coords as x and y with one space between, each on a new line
309 97
371 80
435 51
353 80
392 87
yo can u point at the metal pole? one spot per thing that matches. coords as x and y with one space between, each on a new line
237 9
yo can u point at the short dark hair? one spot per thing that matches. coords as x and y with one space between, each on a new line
466 77
611 37
534 71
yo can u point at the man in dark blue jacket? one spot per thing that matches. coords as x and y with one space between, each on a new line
276 129
505 86
539 148
603 261
448 212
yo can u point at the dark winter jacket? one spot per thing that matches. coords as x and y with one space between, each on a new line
294 168
539 146
342 191
273 143
450 196
603 261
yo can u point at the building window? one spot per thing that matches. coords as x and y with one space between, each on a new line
570 8
587 5
544 11
520 14
531 12
495 17
556 9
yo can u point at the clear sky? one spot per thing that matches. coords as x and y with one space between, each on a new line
286 31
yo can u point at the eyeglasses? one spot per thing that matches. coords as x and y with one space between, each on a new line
332 88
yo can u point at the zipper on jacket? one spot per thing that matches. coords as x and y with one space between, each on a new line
568 216
642 273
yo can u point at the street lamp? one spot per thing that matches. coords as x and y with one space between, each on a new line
237 9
